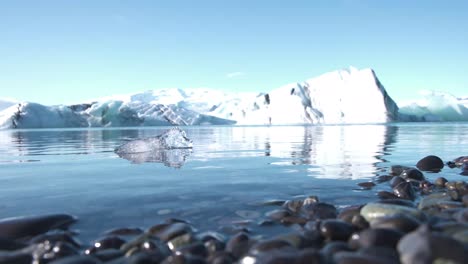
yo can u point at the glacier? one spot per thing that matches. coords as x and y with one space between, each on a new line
348 96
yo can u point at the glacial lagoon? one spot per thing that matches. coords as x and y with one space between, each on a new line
225 178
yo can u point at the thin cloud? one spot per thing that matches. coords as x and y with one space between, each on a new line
234 75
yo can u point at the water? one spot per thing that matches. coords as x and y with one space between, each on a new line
230 171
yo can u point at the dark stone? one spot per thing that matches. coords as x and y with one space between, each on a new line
347 213
423 246
29 226
334 247
310 256
383 178
238 245
319 210
108 254
278 214
396 170
56 237
221 257
359 258
79 259
376 237
124 231
386 195
46 251
196 249
440 182
397 201
262 247
366 185
412 174
170 231
405 190
333 229
9 244
15 258
396 180
430 163
402 222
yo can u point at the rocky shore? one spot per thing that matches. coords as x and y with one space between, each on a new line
415 221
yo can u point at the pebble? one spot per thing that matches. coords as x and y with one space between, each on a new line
430 163
372 211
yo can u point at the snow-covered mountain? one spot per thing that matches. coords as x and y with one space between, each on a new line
340 97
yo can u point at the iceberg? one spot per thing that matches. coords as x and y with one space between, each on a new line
341 97
348 96
435 107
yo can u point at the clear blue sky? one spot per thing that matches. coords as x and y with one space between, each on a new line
67 51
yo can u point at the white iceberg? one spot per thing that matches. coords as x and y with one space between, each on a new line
435 107
348 96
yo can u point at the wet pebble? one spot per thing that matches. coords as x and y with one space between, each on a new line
29 226
404 190
372 211
424 246
402 222
375 237
319 210
333 229
430 163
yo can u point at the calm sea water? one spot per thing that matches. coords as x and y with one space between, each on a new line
229 172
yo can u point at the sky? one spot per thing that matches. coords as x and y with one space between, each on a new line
62 52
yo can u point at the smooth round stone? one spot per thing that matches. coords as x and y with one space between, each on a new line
170 231
412 174
46 251
334 247
396 180
221 257
264 246
430 163
291 220
125 231
398 201
347 213
108 242
293 205
386 195
383 178
333 229
424 246
461 216
404 190
56 237
195 249
402 222
460 161
29 226
464 200
396 170
176 259
440 182
238 245
378 237
381 252
319 210
310 256
359 222
278 214
80 259
358 258
461 236
15 257
10 245
108 254
372 211
432 200
366 185
180 241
